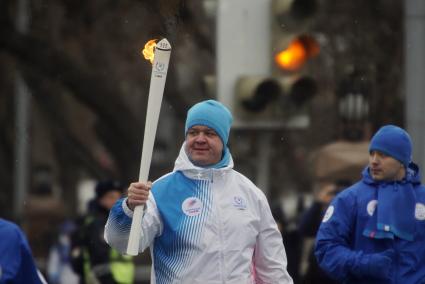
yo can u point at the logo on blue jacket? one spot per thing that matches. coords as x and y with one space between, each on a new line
420 212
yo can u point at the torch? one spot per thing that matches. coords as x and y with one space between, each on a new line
161 57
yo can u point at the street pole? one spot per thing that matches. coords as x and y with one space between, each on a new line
414 74
22 108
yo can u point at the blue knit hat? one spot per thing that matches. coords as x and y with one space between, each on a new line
212 114
393 141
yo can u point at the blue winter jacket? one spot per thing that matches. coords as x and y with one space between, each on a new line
342 250
16 262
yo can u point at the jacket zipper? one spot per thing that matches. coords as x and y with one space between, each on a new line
220 230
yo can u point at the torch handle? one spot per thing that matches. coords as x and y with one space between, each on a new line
136 231
156 91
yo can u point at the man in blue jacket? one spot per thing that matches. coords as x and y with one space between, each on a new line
374 231
16 262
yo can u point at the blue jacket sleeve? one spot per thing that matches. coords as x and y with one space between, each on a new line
16 259
27 270
117 228
334 239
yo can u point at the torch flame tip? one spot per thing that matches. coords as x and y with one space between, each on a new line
150 46
148 50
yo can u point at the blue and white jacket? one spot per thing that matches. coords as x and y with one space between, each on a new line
205 226
342 249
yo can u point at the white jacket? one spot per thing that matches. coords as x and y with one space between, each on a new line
206 226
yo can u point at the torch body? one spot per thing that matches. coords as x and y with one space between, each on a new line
156 91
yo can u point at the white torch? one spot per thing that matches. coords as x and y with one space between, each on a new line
161 57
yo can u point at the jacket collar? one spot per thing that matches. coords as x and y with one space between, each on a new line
412 176
184 165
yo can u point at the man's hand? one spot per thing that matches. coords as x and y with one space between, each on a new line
138 193
375 265
380 264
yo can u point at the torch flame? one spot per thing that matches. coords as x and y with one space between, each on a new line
148 51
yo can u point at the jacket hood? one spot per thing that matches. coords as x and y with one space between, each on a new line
184 164
412 176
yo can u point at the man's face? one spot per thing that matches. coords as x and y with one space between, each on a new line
385 168
108 200
203 146
326 192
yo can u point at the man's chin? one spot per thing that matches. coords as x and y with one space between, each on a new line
199 161
377 177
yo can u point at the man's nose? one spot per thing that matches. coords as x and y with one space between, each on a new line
374 158
200 137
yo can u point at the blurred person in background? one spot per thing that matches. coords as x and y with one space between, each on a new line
309 223
374 231
204 222
290 236
16 261
92 258
59 270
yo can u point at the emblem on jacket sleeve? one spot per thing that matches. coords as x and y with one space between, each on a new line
371 206
192 206
420 211
239 203
328 214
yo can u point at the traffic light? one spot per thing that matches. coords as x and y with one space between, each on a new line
280 99
353 95
299 50
274 101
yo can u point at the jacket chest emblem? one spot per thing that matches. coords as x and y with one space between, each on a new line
420 211
239 203
328 214
371 206
192 206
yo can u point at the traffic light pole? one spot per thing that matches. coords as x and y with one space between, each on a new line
414 72
22 121
263 161
248 53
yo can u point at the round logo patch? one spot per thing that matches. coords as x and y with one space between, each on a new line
371 206
328 214
420 211
192 206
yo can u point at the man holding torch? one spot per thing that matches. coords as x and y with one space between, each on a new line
204 222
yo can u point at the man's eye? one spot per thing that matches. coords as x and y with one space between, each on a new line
380 154
210 133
